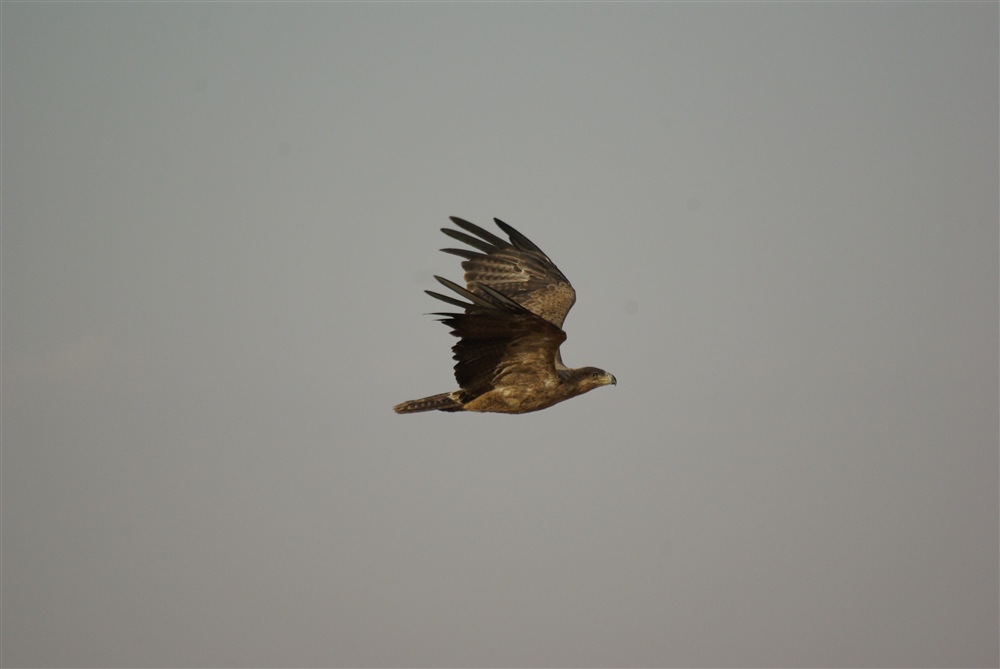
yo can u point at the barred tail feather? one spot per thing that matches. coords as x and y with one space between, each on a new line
442 402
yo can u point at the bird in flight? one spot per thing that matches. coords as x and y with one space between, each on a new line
509 330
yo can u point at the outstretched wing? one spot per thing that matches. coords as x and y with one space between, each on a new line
517 269
500 339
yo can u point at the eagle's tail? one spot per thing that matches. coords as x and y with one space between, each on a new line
442 402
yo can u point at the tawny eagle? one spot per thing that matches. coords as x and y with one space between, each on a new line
509 330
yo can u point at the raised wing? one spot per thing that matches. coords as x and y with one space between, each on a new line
499 339
517 269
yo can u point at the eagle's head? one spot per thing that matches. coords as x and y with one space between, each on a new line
588 378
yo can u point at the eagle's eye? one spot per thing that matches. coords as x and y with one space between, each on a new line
595 375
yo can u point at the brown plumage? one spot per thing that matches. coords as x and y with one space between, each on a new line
510 328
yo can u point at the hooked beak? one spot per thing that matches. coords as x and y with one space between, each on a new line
614 381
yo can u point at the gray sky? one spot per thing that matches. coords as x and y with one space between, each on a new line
782 224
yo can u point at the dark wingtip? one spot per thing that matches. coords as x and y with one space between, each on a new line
476 300
484 246
463 253
519 240
492 241
447 298
451 284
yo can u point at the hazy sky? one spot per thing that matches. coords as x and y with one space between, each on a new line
782 224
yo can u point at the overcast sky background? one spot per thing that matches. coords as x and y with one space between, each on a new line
782 224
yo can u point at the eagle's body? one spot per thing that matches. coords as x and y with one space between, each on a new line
510 329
